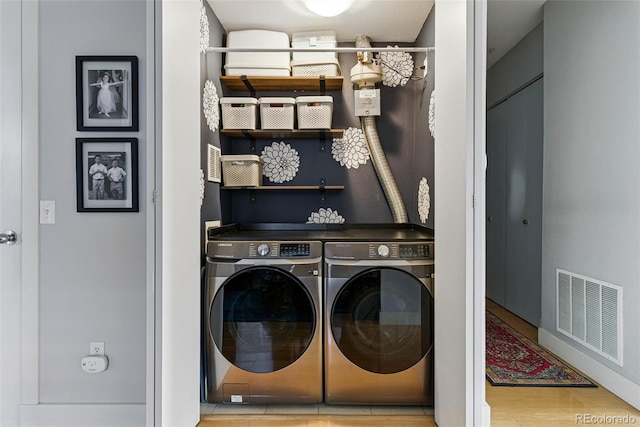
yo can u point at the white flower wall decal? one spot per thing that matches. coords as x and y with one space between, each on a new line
281 162
210 101
325 216
432 113
204 29
351 151
201 187
397 68
424 200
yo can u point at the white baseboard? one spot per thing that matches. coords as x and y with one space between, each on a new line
486 414
54 415
608 378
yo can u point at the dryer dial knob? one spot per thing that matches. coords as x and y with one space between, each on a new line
383 251
263 249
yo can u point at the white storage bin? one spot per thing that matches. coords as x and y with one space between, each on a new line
239 113
277 113
314 39
314 112
315 67
243 170
258 63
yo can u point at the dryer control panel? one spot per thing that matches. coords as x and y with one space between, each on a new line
380 250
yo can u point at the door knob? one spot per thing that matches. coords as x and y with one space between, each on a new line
8 238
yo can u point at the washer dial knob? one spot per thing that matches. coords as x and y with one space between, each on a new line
263 249
383 251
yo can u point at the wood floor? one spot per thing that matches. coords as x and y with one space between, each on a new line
510 406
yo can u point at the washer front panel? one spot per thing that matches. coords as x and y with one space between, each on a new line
262 319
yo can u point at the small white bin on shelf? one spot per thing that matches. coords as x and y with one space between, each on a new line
315 67
244 170
277 113
314 112
239 113
314 39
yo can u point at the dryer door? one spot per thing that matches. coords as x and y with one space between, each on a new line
382 320
262 319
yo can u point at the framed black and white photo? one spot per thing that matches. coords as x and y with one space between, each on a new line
107 174
107 93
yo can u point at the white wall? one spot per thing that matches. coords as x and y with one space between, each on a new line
180 200
591 205
460 41
92 265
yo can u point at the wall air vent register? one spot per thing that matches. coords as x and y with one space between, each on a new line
589 311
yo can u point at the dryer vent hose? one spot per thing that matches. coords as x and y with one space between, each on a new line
383 171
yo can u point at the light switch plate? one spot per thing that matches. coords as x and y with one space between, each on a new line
47 212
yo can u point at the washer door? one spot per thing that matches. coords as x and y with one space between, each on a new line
382 320
262 319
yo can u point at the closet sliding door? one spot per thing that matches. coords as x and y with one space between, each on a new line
514 202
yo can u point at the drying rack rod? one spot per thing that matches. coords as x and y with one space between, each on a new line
321 49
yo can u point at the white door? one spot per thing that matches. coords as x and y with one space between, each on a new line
10 211
18 208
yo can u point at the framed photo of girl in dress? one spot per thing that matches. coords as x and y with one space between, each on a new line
107 93
107 174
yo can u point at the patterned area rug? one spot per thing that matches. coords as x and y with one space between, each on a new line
515 360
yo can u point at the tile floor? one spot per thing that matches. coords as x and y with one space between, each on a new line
319 409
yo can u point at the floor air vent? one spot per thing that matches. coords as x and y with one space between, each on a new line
590 312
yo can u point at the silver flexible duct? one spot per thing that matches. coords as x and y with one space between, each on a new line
381 166
378 158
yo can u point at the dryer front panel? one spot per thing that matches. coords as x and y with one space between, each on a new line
381 320
262 319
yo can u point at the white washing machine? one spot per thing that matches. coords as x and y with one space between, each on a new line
264 321
379 322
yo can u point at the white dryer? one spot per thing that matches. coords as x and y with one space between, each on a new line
264 321
379 322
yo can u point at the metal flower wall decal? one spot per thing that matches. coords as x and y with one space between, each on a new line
351 151
210 101
424 200
204 29
325 216
432 113
281 162
397 68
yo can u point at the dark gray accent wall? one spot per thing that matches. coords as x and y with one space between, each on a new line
92 265
211 66
403 131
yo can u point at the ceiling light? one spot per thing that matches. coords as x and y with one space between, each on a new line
327 7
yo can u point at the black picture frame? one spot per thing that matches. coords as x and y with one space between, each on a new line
107 93
95 187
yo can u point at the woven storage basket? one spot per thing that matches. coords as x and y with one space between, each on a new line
314 112
241 170
315 67
277 113
239 113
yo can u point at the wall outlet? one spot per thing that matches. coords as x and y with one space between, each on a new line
96 348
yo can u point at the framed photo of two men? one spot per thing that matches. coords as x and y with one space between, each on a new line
107 93
107 174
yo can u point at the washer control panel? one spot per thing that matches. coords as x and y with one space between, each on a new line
380 250
264 249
